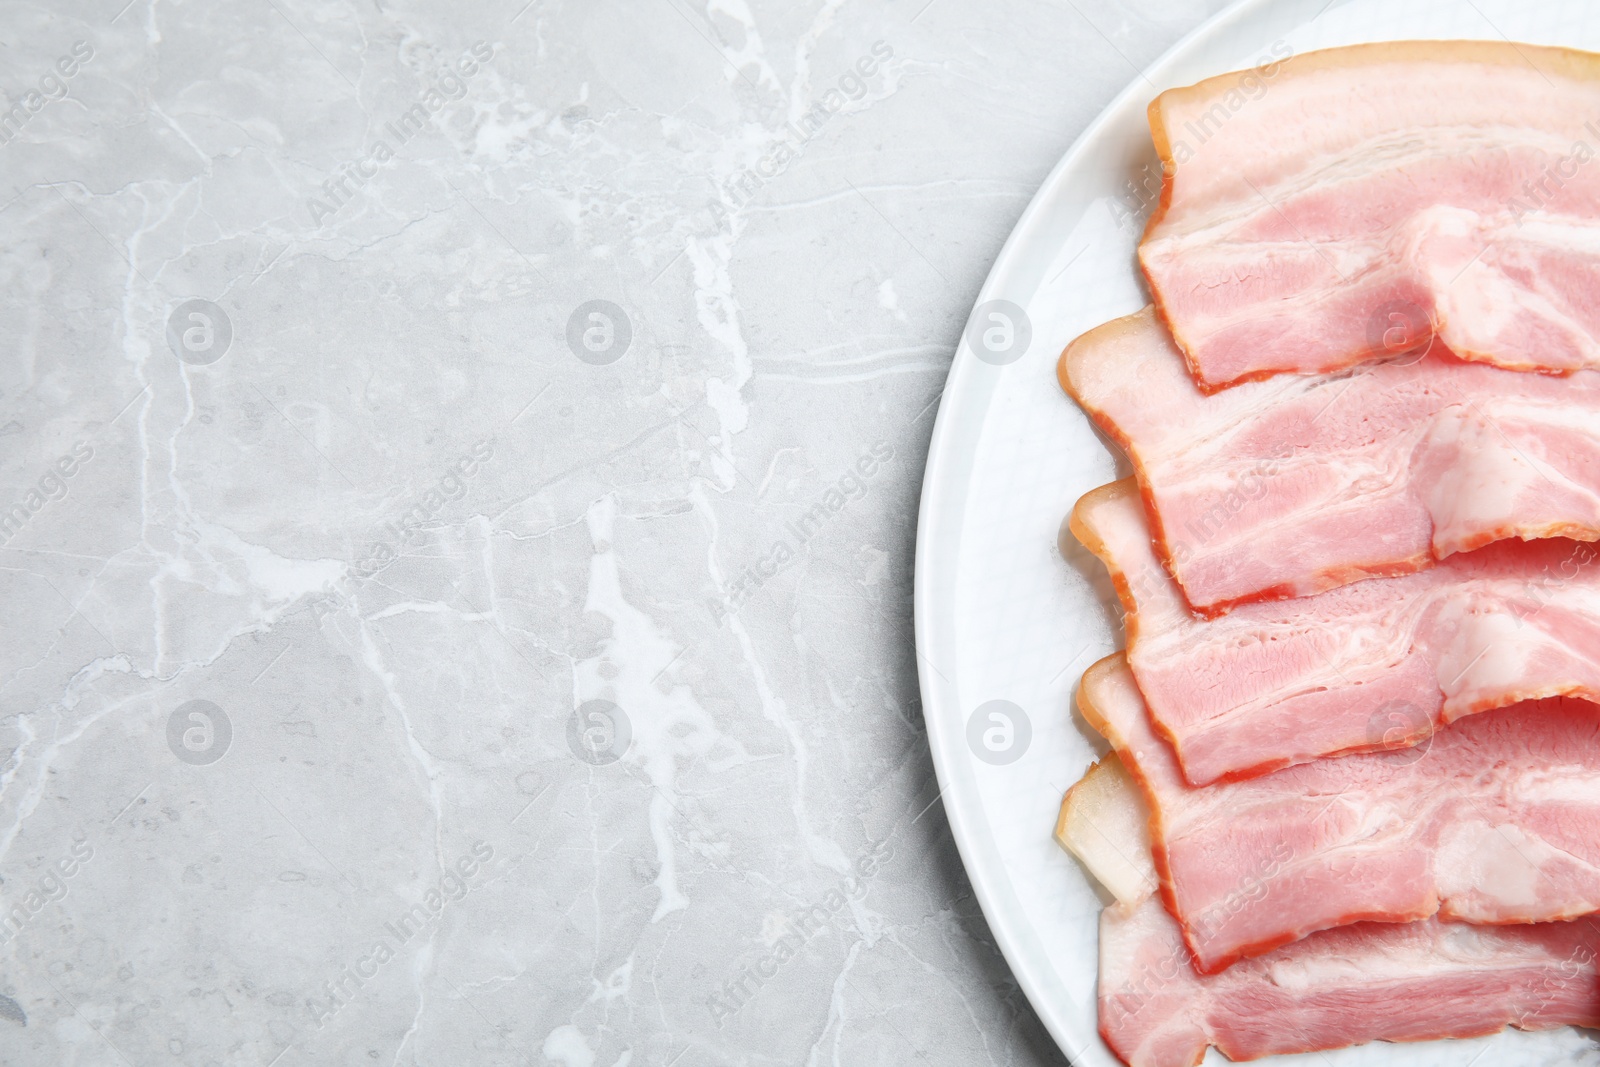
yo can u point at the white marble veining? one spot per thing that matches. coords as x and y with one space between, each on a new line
460 467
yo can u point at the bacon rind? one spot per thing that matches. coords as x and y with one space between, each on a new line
1405 260
1277 683
1497 822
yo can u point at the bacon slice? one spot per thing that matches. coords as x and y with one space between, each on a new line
1345 203
1293 485
1370 665
1496 820
1364 982
1369 982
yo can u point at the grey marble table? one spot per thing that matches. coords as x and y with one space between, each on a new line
461 466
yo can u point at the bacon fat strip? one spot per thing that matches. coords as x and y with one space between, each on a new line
1369 665
1106 825
1339 205
1287 487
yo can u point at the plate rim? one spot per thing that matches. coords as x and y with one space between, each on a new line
938 541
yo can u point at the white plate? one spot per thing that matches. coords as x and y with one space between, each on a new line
1000 615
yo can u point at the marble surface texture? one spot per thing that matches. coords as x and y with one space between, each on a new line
461 466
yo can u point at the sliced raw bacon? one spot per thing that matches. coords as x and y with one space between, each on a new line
1374 664
1368 197
1297 484
1369 982
1365 982
1496 821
